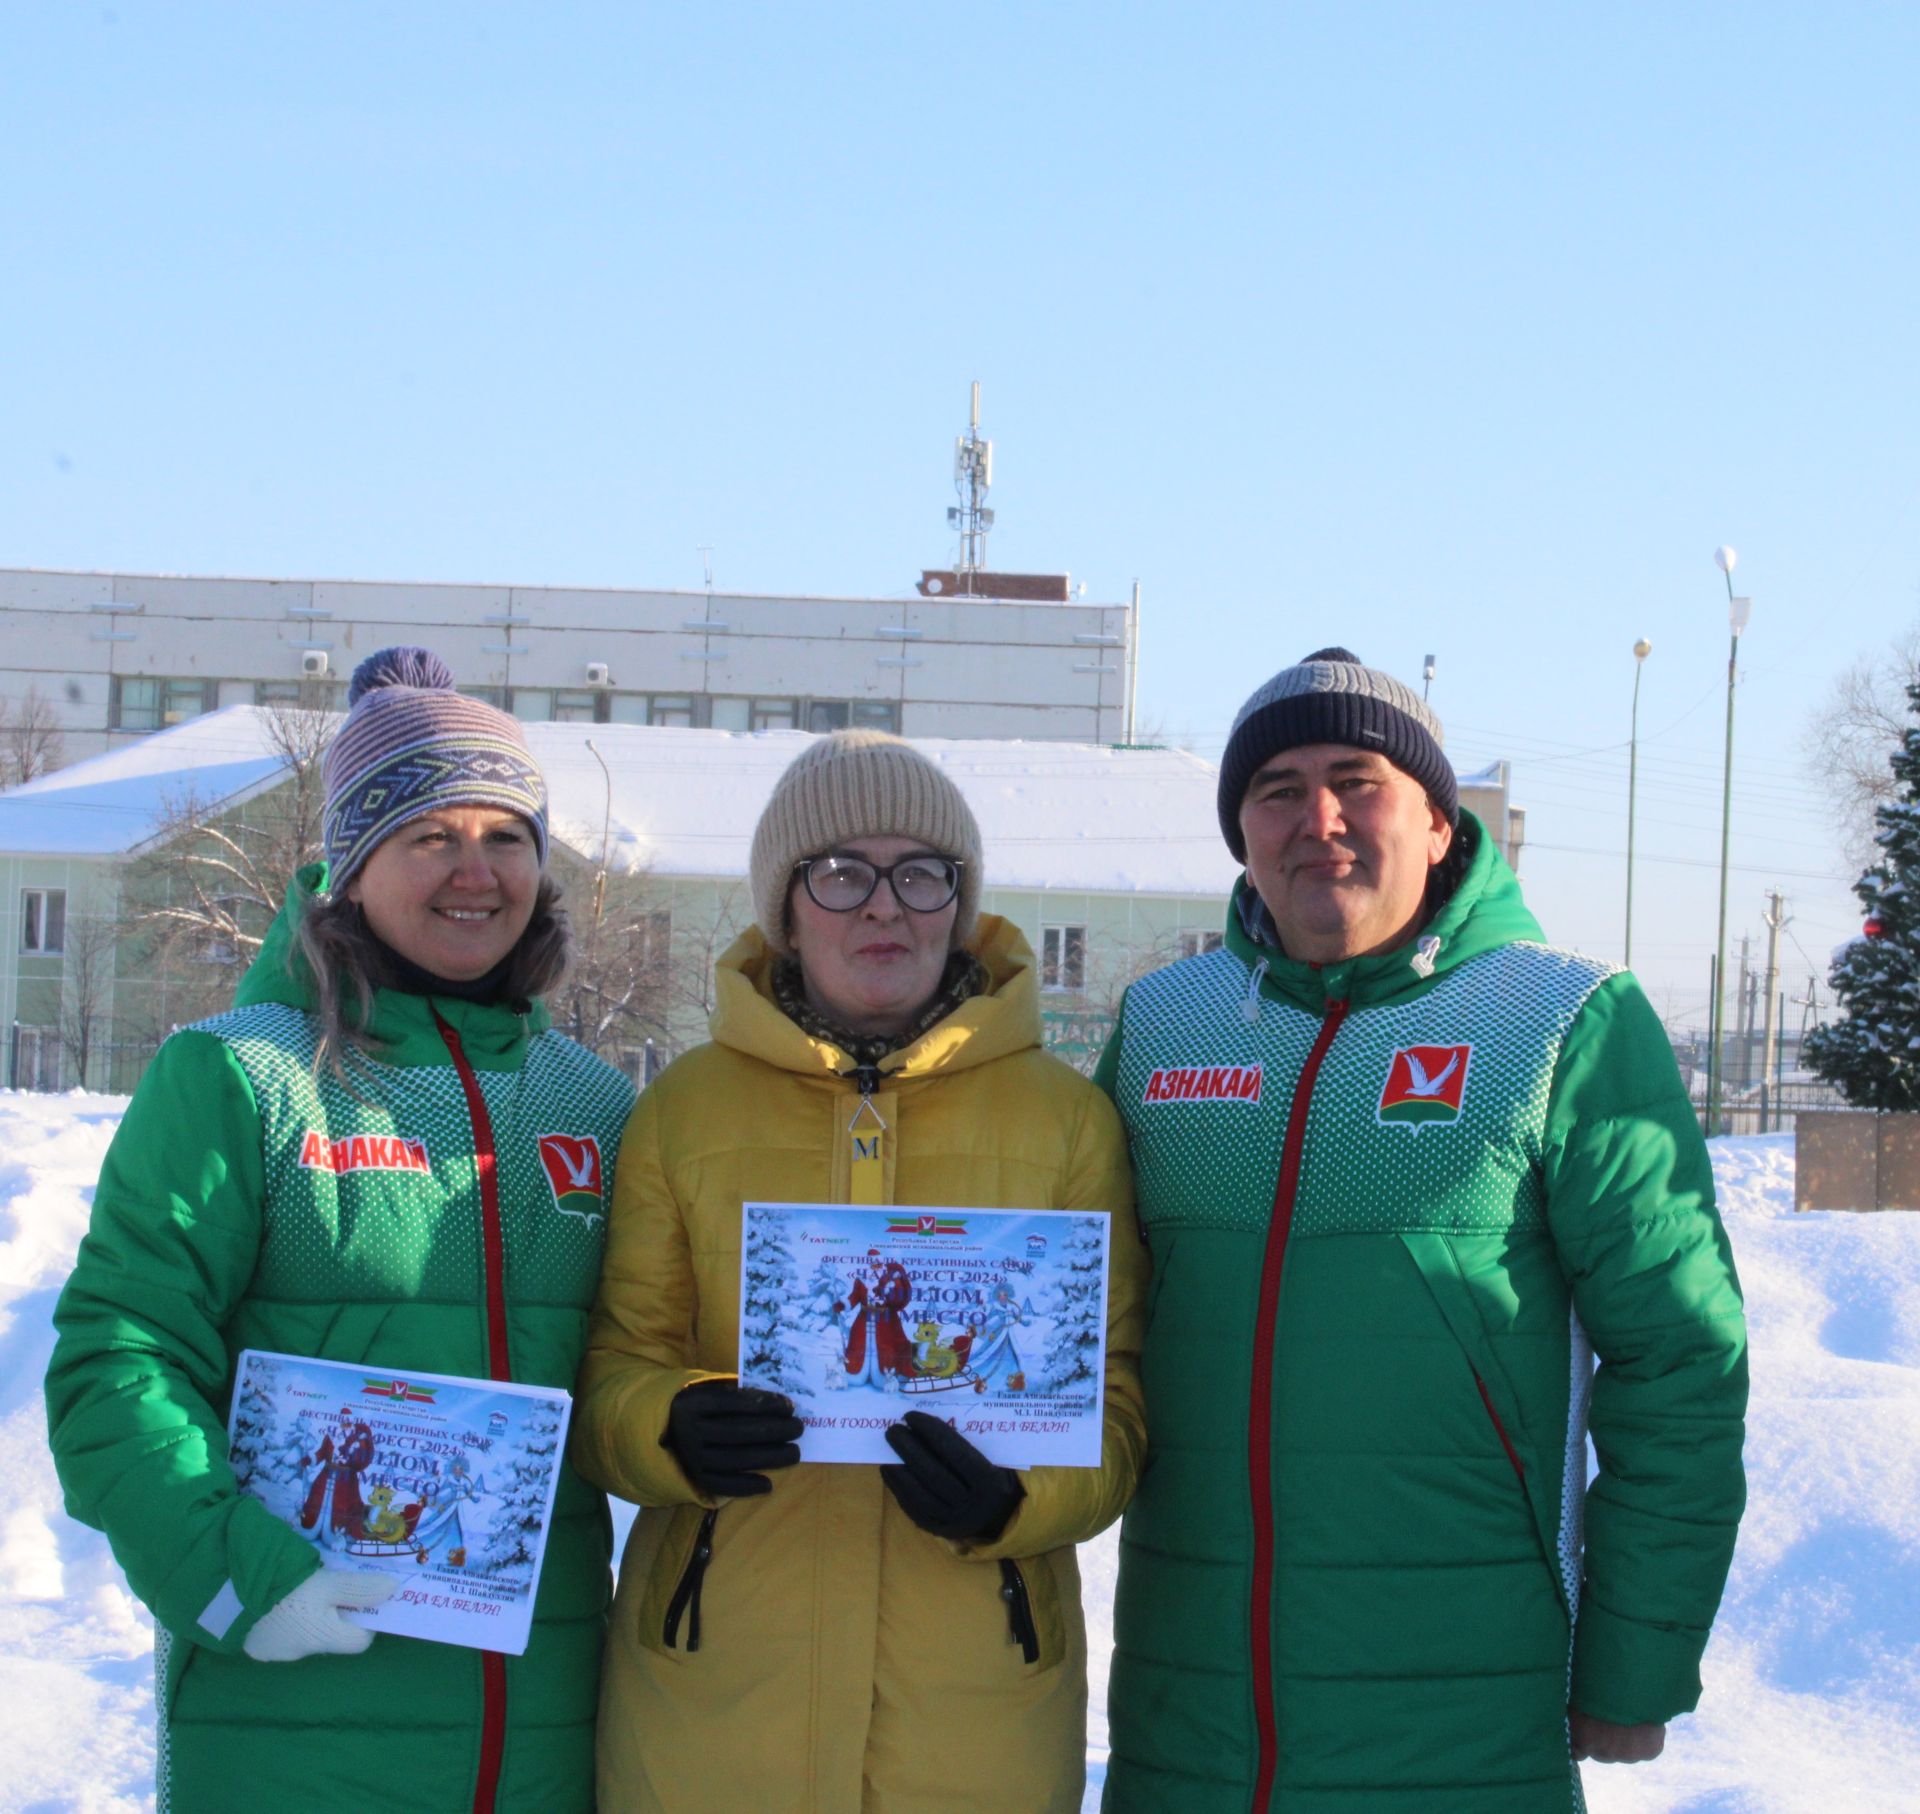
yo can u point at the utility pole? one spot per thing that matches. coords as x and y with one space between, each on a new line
1775 917
1743 1013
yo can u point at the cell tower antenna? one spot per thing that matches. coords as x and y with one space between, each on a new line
972 479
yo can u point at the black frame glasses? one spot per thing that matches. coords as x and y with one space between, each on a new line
927 861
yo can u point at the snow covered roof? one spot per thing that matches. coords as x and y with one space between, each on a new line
679 802
1052 815
112 804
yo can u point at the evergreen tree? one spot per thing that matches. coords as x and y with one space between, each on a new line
818 1296
769 1308
252 1425
520 1478
1073 1302
1873 1055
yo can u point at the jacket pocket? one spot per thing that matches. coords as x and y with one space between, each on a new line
1439 1266
1030 1592
670 1607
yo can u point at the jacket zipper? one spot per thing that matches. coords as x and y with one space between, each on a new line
1500 1429
1020 1625
686 1596
493 1250
1260 1422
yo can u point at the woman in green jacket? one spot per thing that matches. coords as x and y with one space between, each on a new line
266 1190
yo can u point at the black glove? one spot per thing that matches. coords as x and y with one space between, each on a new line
722 1433
945 1485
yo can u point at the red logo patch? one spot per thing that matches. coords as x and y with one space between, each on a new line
1425 1085
572 1165
1204 1083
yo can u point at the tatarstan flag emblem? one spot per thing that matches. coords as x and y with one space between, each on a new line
1425 1085
572 1165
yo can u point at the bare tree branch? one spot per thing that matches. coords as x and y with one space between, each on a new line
30 740
1850 737
213 877
86 991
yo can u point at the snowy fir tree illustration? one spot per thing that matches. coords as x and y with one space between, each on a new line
769 1311
285 1458
1873 1054
1073 1304
253 1422
828 1286
519 1473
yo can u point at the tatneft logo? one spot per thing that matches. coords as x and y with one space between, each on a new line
363 1153
1425 1086
572 1165
1204 1083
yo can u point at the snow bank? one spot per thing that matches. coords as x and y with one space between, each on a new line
1812 1681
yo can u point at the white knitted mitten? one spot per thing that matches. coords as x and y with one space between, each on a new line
309 1621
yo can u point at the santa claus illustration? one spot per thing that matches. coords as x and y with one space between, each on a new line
878 1350
333 1500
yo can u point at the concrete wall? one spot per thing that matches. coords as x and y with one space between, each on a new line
1856 1159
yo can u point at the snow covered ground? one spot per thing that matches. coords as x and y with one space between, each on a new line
1813 1678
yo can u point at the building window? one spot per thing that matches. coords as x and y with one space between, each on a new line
1198 940
579 705
730 714
1063 958
671 708
309 695
533 705
43 919
775 715
36 1058
148 702
493 696
865 714
627 708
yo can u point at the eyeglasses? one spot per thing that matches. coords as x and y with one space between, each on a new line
840 884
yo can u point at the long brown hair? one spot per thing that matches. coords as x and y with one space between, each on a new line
342 957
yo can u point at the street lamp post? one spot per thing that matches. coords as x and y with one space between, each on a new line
1641 650
1738 612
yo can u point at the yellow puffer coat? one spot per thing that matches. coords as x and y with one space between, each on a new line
846 1660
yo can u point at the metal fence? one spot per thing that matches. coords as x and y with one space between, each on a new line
1766 1108
37 1058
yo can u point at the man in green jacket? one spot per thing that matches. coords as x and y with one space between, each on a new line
1408 1173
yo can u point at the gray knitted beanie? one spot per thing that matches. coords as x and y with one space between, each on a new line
859 784
1331 697
412 745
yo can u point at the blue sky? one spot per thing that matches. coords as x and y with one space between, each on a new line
1470 330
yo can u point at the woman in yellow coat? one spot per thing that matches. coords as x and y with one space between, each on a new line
835 1637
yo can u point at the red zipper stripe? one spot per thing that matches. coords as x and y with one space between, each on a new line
1260 1429
493 1243
493 1665
1499 1429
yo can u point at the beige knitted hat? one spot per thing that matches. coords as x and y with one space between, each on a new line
859 784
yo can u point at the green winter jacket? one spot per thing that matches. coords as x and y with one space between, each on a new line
216 1229
1397 1206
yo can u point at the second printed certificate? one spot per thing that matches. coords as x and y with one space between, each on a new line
995 1320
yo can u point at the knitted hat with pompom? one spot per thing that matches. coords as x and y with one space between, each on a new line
412 745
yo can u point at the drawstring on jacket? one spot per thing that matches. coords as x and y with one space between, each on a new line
1250 1008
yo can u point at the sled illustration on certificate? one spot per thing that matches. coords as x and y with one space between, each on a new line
446 1482
992 1319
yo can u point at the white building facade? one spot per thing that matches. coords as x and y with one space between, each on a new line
118 655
